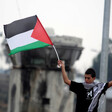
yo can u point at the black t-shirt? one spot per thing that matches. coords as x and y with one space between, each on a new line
84 96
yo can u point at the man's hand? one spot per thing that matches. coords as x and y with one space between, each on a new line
61 63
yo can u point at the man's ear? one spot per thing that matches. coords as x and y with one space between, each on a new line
94 78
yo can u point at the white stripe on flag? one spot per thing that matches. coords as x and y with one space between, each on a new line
21 40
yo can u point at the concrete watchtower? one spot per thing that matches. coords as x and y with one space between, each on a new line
36 83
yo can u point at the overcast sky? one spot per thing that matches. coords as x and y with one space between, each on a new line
80 18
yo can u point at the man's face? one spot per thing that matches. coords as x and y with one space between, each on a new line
89 79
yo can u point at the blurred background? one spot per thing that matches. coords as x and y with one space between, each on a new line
31 79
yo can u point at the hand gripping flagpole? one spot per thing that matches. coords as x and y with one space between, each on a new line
57 56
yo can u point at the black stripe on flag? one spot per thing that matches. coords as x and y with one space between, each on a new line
20 26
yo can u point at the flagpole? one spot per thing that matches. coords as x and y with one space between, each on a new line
56 52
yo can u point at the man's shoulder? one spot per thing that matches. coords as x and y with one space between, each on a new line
76 85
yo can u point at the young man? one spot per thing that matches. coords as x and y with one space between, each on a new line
88 93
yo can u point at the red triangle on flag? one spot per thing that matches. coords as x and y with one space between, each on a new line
40 34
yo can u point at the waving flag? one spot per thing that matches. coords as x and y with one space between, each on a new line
26 34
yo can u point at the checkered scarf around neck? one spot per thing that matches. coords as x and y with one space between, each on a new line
89 86
97 89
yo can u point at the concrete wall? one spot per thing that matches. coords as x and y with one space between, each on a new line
39 91
14 91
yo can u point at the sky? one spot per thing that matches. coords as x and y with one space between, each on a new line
78 18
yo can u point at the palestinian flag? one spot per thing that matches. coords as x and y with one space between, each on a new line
26 34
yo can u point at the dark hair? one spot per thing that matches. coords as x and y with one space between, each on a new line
91 71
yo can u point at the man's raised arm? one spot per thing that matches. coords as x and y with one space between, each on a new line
65 77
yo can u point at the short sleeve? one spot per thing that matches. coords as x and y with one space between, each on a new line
105 88
76 87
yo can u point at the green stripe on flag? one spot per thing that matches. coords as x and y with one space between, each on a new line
34 45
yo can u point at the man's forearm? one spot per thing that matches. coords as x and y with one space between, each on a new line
110 84
65 77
